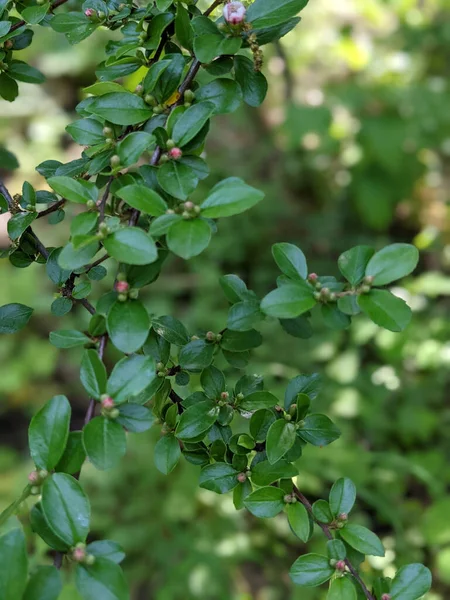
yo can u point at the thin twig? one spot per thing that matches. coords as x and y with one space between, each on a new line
53 208
102 203
213 6
52 8
39 245
327 532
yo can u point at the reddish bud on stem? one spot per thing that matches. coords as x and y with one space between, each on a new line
122 287
234 13
175 153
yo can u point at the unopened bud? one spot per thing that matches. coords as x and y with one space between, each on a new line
317 296
114 413
210 336
163 159
365 289
122 297
189 205
224 395
194 337
175 153
90 204
170 144
35 490
101 15
187 104
108 132
122 287
234 13
43 474
114 161
340 565
312 277
89 560
149 99
369 279
343 517
33 477
240 396
158 110
242 477
189 95
197 209
289 499
288 417
79 554
108 402
139 90
103 227
89 12
8 44
386 597
133 294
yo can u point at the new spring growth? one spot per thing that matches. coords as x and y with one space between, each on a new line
234 13
175 153
109 409
340 565
36 479
89 13
242 477
80 555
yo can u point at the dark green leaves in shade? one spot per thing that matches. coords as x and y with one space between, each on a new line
290 260
288 301
128 325
197 420
130 376
318 430
177 179
299 521
264 473
191 122
143 199
44 584
311 570
219 477
74 455
225 94
302 384
93 374
131 246
104 580
14 317
385 309
104 442
411 582
121 108
13 564
19 222
230 197
66 508
167 453
392 262
353 263
342 496
48 432
188 238
196 355
266 502
253 83
171 330
135 418
362 539
280 439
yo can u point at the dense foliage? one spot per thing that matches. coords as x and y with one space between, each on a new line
138 218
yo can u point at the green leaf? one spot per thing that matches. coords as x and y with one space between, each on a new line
35 14
234 288
131 246
68 338
14 317
75 190
107 549
260 422
40 526
196 356
321 511
74 455
362 539
86 132
44 584
104 442
66 508
280 439
299 521
5 26
411 582
167 453
183 27
342 496
253 83
72 258
311 570
230 197
385 309
197 420
177 179
302 384
121 108
288 301
212 381
264 13
188 238
143 199
48 432
104 580
342 589
336 550
93 374
352 263
19 222
266 502
225 94
209 45
171 330
130 148
258 400
13 565
219 477
135 418
392 263
318 430
9 90
243 315
128 325
291 260
264 473
130 376
191 122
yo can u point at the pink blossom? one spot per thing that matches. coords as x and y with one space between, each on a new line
122 286
175 153
234 13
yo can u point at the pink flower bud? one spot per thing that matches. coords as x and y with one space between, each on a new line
224 395
340 565
385 597
89 12
234 13
79 554
343 517
312 277
33 477
108 402
175 153
242 477
189 205
122 287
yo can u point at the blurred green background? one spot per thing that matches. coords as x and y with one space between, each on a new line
351 146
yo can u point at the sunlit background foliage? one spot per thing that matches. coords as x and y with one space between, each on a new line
351 146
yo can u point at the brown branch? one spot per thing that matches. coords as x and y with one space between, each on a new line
20 24
102 204
51 209
213 6
6 194
327 532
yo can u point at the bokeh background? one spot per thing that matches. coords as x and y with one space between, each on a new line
351 146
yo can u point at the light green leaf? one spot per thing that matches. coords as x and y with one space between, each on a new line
392 263
131 246
75 190
288 301
121 108
230 197
385 309
128 325
266 502
14 317
290 260
362 539
167 453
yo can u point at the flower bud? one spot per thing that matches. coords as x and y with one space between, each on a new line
43 474
79 553
149 99
386 597
369 279
163 159
197 209
242 477
210 336
122 287
175 153
107 132
35 490
224 395
114 161
312 277
234 13
187 104
89 560
158 110
343 517
133 294
114 413
139 90
101 15
122 297
90 204
33 477
189 205
90 12
189 95
170 144
240 396
108 402
340 565
288 417
8 44
365 289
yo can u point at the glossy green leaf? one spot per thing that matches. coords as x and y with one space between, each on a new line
74 258
311 570
299 521
411 582
392 263
264 13
230 197
132 146
75 190
240 341
107 549
121 108
130 376
135 418
264 473
290 260
353 263
321 511
385 309
288 301
219 477
171 330
14 317
35 14
167 453
188 238
104 442
196 355
40 526
342 589
48 432
212 381
104 580
44 584
131 246
19 222
197 419
336 549
266 502
68 338
93 374
342 496
280 439
13 564
225 94
128 325
86 131
177 179
143 199
74 455
66 508
253 83
318 430
191 122
258 400
362 539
